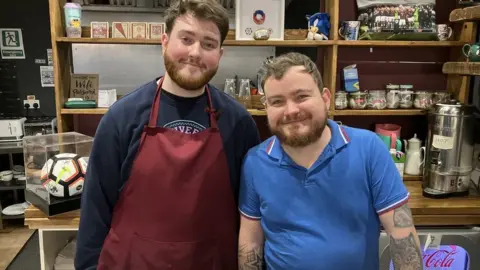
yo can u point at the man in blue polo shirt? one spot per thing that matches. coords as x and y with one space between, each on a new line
314 195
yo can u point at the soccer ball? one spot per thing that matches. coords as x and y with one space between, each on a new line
63 175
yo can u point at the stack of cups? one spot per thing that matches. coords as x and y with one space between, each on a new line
73 15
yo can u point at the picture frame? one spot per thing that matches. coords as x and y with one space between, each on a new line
155 30
99 30
121 30
138 30
252 15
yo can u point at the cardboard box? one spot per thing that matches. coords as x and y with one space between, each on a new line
350 78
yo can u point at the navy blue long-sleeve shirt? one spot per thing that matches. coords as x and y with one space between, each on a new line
116 143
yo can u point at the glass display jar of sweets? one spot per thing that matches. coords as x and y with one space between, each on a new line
423 100
406 96
440 97
376 100
341 101
357 100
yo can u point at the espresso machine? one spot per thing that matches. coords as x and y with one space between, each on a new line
449 150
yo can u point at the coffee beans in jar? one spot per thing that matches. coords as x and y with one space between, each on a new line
341 101
376 100
357 100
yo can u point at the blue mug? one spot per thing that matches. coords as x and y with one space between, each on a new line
349 30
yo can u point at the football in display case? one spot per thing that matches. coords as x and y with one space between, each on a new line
55 168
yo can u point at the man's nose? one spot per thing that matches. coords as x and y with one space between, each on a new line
195 49
291 108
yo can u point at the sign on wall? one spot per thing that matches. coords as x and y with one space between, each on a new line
11 45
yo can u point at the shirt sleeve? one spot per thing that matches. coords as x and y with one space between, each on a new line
249 202
100 194
388 190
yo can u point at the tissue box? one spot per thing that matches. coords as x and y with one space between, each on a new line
446 257
350 78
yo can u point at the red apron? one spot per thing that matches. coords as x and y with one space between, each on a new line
177 210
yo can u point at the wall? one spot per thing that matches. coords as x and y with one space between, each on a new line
33 18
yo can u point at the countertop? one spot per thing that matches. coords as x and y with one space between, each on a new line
426 211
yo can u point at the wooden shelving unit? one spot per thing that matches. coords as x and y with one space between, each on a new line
462 68
61 45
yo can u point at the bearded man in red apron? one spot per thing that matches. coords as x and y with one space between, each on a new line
163 176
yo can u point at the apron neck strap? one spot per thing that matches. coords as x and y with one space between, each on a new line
152 122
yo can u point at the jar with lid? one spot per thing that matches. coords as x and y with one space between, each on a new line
440 97
376 100
406 96
423 100
357 100
341 101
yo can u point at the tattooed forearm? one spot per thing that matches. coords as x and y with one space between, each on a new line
405 253
250 258
402 217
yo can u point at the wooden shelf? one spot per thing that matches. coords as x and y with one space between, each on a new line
426 211
395 43
462 68
278 43
104 110
465 14
379 112
407 177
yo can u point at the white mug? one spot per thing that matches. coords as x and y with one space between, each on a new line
444 32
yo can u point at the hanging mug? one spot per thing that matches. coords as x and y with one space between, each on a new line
444 32
349 30
472 52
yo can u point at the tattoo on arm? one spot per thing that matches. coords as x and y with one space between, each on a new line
405 253
250 258
402 217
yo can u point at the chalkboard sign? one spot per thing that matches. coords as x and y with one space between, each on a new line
84 86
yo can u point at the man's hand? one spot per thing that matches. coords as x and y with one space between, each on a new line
404 243
250 245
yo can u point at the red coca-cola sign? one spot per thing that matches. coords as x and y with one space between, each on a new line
447 257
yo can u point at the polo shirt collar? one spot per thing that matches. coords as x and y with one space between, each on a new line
338 140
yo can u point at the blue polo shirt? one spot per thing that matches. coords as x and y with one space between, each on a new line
326 217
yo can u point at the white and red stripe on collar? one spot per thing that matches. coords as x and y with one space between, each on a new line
341 130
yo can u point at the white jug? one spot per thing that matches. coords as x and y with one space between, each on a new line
413 149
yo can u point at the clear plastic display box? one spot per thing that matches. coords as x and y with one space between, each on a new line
55 168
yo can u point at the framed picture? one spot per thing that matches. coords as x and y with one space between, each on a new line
252 15
138 30
99 30
120 30
155 30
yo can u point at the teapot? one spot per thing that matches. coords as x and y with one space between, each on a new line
414 160
472 52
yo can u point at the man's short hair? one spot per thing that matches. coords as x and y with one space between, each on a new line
281 64
208 10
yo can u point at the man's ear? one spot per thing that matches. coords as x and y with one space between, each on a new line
326 96
164 40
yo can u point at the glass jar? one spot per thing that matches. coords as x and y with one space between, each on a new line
440 97
423 100
377 100
406 99
230 87
406 87
357 100
244 95
393 99
341 101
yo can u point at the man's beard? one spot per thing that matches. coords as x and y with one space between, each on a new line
296 140
188 83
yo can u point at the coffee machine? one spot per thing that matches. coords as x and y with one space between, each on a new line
449 150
